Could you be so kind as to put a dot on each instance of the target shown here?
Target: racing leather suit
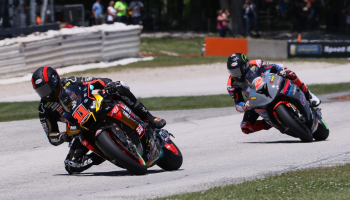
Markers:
(51, 112)
(236, 90)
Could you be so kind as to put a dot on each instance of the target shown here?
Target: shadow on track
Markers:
(280, 142)
(112, 173)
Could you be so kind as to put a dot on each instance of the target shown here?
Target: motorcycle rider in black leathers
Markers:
(48, 84)
(242, 74)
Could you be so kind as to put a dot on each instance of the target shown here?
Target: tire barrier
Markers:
(79, 45)
(12, 60)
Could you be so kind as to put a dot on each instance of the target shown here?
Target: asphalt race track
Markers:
(215, 153)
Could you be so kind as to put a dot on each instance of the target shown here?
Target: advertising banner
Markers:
(321, 49)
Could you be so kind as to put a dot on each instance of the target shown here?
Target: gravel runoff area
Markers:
(187, 80)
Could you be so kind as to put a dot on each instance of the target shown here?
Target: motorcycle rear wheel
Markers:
(114, 152)
(322, 131)
(292, 123)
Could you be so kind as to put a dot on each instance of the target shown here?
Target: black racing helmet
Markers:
(47, 83)
(237, 65)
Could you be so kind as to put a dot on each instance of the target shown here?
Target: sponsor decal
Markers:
(85, 89)
(38, 81)
(244, 58)
(71, 79)
(258, 82)
(44, 126)
(343, 49)
(85, 95)
(86, 100)
(234, 64)
(272, 78)
(139, 129)
(252, 98)
(302, 100)
(114, 111)
(47, 104)
(294, 89)
(88, 79)
(116, 128)
(296, 49)
(66, 85)
(59, 109)
(41, 108)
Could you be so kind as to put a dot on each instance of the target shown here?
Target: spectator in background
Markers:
(221, 24)
(112, 13)
(346, 12)
(250, 16)
(136, 8)
(227, 16)
(282, 8)
(97, 12)
(121, 7)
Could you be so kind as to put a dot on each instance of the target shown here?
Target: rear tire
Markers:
(322, 131)
(170, 161)
(114, 152)
(289, 121)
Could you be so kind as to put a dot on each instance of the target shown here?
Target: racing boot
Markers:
(141, 111)
(313, 99)
(157, 140)
(77, 165)
(309, 96)
(259, 125)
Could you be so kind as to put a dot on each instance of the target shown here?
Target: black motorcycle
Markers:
(111, 130)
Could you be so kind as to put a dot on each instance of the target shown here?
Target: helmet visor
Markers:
(236, 72)
(46, 89)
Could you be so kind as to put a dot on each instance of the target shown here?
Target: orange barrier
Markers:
(215, 46)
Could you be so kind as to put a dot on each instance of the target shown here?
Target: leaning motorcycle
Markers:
(284, 106)
(111, 130)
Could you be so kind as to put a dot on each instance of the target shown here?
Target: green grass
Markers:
(28, 110)
(317, 184)
(158, 61)
(180, 46)
(18, 111)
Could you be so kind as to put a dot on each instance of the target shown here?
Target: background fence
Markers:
(22, 55)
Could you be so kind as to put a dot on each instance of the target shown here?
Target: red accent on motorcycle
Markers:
(87, 145)
(172, 148)
(115, 113)
(46, 78)
(286, 85)
(284, 102)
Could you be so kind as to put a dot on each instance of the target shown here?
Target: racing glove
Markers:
(284, 72)
(111, 88)
(242, 107)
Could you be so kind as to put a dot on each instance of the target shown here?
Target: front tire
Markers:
(171, 160)
(322, 131)
(289, 121)
(112, 150)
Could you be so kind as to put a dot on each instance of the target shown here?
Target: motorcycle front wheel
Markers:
(291, 122)
(172, 157)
